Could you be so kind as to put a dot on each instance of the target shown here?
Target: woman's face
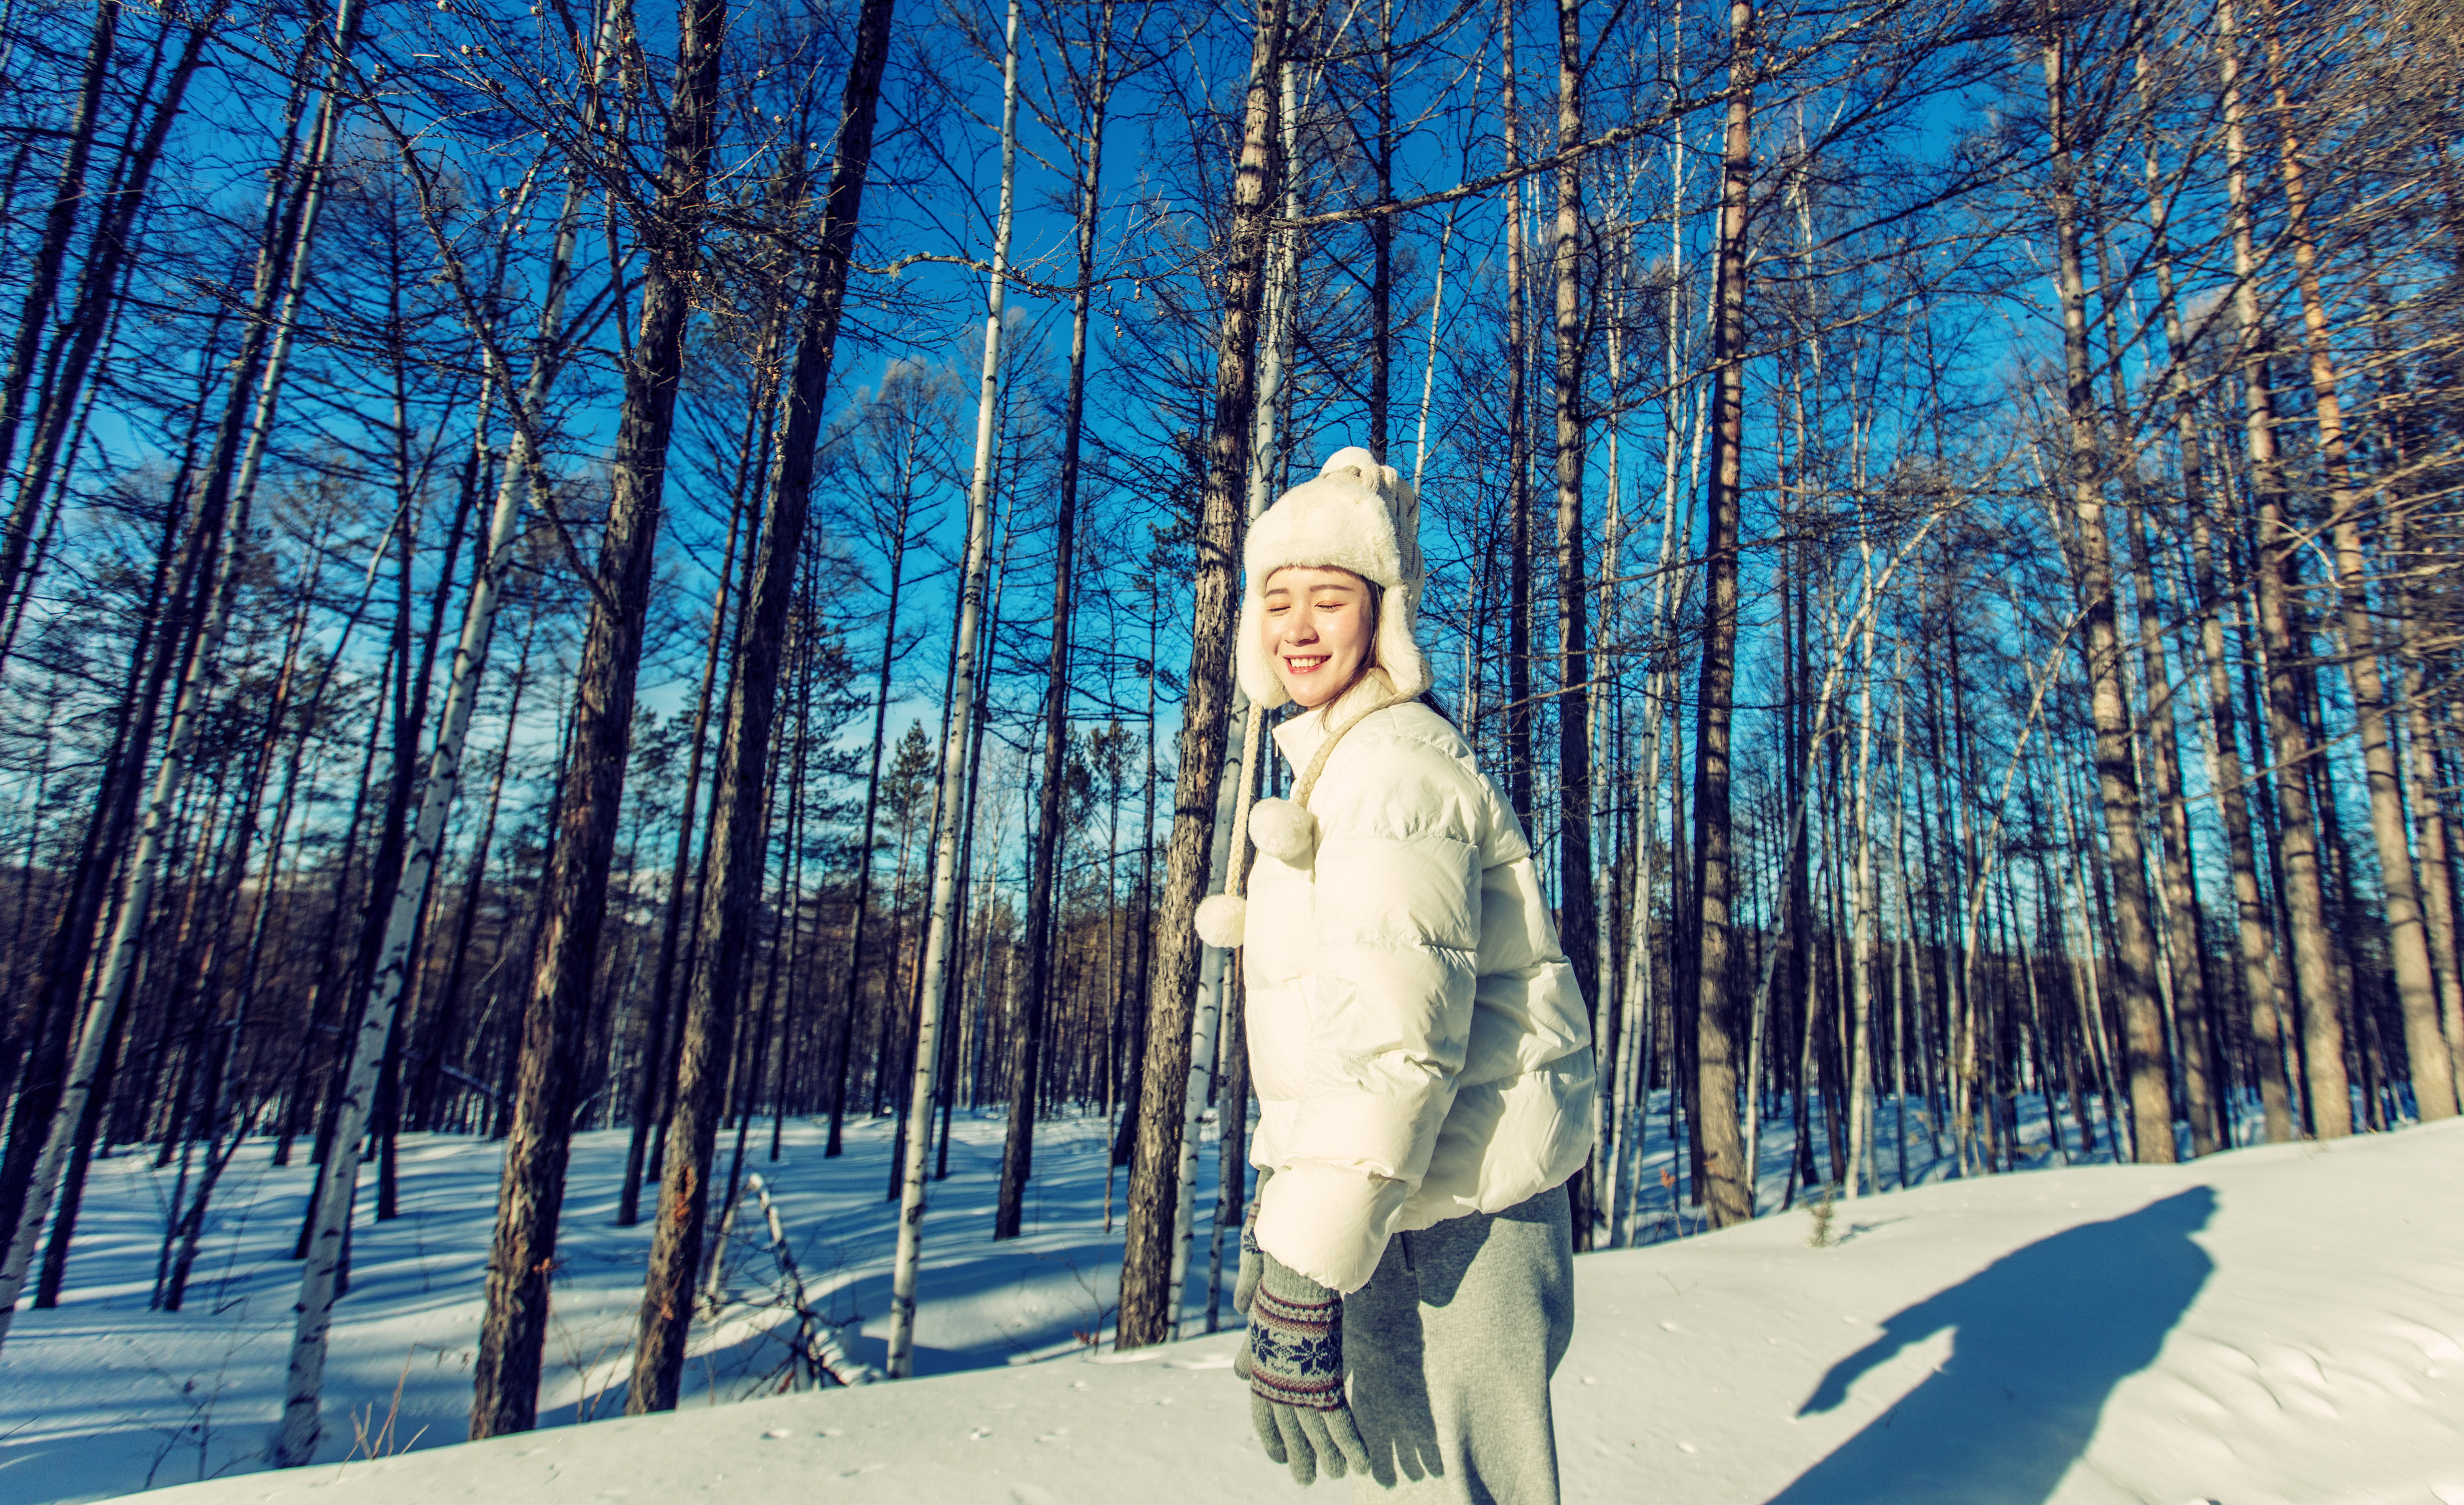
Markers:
(1319, 627)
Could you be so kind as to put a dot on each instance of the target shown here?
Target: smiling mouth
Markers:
(1302, 666)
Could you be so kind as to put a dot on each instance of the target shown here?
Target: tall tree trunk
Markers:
(1134, 1042)
(2177, 873)
(851, 990)
(2278, 553)
(573, 898)
(740, 831)
(1577, 918)
(657, 1069)
(1519, 771)
(2425, 1046)
(1026, 1042)
(1381, 244)
(378, 1037)
(1727, 1179)
(2150, 1084)
(1147, 1248)
(2430, 816)
(442, 1036)
(2255, 947)
(932, 971)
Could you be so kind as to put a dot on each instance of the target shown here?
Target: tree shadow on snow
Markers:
(2043, 1335)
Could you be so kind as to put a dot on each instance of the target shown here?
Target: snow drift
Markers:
(2280, 1324)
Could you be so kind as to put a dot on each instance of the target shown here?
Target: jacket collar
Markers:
(1301, 737)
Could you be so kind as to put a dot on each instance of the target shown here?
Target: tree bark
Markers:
(739, 833)
(2150, 1080)
(933, 967)
(1026, 1043)
(657, 1066)
(1727, 1180)
(42, 286)
(221, 531)
(1519, 771)
(573, 900)
(2277, 618)
(1147, 1248)
(2425, 1046)
(1577, 918)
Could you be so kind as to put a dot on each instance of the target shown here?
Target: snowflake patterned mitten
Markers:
(1294, 1367)
(1252, 1258)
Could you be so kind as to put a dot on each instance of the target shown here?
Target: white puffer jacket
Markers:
(1417, 1036)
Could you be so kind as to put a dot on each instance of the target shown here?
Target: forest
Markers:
(573, 568)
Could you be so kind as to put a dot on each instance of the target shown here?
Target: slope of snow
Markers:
(2269, 1325)
(104, 1396)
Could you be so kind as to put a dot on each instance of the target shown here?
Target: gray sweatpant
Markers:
(1450, 1346)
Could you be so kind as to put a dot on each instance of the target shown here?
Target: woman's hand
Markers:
(1294, 1367)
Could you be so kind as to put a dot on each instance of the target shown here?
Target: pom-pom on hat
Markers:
(1356, 515)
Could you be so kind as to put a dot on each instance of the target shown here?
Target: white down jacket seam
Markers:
(1417, 1040)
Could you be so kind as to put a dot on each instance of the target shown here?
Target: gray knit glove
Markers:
(1246, 1285)
(1294, 1367)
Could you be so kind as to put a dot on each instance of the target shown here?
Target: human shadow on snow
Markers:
(2043, 1335)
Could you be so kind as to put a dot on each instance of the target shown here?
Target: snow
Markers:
(103, 1397)
(2274, 1324)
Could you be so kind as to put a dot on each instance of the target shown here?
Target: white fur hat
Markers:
(1356, 515)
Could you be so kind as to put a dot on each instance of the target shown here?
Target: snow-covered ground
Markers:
(2277, 1324)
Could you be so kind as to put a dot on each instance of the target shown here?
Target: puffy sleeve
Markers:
(1397, 895)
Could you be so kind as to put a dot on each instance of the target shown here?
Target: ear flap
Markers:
(1398, 646)
(1404, 502)
(1257, 677)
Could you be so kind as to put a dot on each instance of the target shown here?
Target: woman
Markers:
(1419, 1047)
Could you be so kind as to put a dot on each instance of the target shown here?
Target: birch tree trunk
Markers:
(1519, 772)
(302, 1424)
(1214, 983)
(942, 920)
(1868, 903)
